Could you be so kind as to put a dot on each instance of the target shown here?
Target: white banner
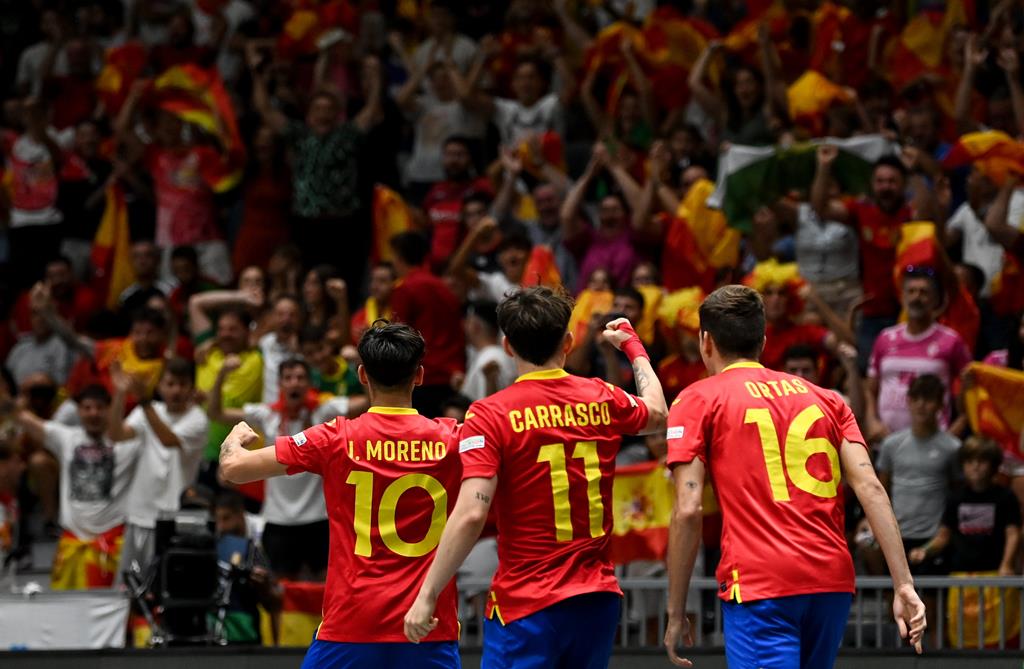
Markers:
(63, 620)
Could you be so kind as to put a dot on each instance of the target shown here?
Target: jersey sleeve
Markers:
(688, 421)
(309, 450)
(480, 444)
(848, 427)
(629, 413)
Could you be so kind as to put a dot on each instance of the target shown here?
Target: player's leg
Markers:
(587, 625)
(764, 634)
(427, 655)
(527, 643)
(336, 655)
(823, 628)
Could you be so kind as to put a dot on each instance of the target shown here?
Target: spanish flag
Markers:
(391, 216)
(197, 96)
(588, 304)
(811, 96)
(121, 67)
(919, 49)
(995, 154)
(828, 22)
(995, 404)
(541, 269)
(111, 249)
(698, 242)
(1008, 287)
(919, 247)
(300, 616)
(642, 499)
(81, 564)
(309, 20)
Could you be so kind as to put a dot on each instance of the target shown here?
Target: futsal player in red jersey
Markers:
(777, 448)
(390, 480)
(544, 449)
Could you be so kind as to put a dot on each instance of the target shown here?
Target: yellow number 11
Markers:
(798, 451)
(554, 455)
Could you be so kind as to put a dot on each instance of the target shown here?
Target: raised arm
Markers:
(274, 118)
(372, 111)
(570, 212)
(459, 536)
(511, 168)
(705, 97)
(621, 335)
(458, 266)
(42, 303)
(684, 538)
(775, 97)
(117, 428)
(974, 57)
(405, 97)
(215, 408)
(824, 206)
(907, 606)
(201, 306)
(466, 87)
(997, 218)
(1009, 61)
(240, 465)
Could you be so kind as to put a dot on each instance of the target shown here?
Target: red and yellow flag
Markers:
(1008, 287)
(919, 247)
(920, 47)
(541, 269)
(391, 216)
(995, 404)
(810, 97)
(81, 564)
(111, 249)
(698, 242)
(589, 303)
(995, 154)
(309, 20)
(301, 614)
(121, 67)
(642, 499)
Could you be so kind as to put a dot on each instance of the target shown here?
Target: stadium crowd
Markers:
(205, 203)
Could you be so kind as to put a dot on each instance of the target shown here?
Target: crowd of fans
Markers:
(490, 121)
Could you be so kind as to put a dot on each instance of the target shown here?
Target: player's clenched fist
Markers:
(420, 620)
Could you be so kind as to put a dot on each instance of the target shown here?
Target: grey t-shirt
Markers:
(920, 471)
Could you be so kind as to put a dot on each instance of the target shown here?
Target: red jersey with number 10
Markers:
(391, 478)
(771, 442)
(551, 439)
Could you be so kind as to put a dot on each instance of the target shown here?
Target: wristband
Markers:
(633, 347)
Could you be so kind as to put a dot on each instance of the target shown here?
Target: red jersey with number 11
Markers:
(771, 442)
(391, 478)
(551, 439)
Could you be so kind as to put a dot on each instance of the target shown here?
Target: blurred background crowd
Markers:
(205, 202)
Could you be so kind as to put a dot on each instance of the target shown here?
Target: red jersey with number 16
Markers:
(391, 478)
(551, 439)
(771, 442)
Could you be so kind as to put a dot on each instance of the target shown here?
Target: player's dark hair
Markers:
(93, 391)
(412, 247)
(391, 354)
(980, 448)
(631, 293)
(154, 317)
(181, 369)
(927, 387)
(231, 500)
(289, 363)
(734, 318)
(534, 321)
(800, 352)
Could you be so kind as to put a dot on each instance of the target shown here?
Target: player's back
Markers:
(771, 442)
(551, 439)
(390, 482)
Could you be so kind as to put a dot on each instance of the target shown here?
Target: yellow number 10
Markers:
(554, 455)
(363, 513)
(798, 451)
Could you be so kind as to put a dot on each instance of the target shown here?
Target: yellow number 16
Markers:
(798, 451)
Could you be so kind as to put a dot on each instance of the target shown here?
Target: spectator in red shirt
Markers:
(443, 203)
(878, 218)
(73, 301)
(73, 94)
(427, 303)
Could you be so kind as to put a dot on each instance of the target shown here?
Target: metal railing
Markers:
(870, 625)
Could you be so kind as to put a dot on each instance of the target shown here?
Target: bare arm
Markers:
(592, 107)
(704, 96)
(458, 266)
(776, 99)
(201, 305)
(512, 166)
(215, 407)
(974, 57)
(1010, 62)
(684, 539)
(240, 465)
(824, 206)
(118, 429)
(570, 212)
(274, 118)
(457, 540)
(638, 79)
(935, 545)
(466, 88)
(627, 184)
(43, 304)
(370, 114)
(1006, 565)
(907, 607)
(997, 217)
(31, 424)
(648, 386)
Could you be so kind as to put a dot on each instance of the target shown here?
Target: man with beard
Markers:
(877, 218)
(295, 538)
(443, 203)
(907, 350)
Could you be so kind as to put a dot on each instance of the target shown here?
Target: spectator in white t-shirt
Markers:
(280, 343)
(95, 473)
(295, 538)
(490, 368)
(173, 435)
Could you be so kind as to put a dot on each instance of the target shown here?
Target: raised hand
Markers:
(827, 154)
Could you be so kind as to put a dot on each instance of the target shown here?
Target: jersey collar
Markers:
(744, 365)
(543, 375)
(394, 411)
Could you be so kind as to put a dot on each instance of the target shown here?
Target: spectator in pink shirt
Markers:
(907, 350)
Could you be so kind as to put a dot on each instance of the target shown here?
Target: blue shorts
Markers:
(575, 633)
(786, 632)
(339, 655)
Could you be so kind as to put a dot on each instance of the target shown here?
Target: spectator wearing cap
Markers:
(489, 368)
(905, 351)
(426, 303)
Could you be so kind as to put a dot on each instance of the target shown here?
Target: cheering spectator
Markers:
(72, 300)
(489, 368)
(40, 351)
(378, 304)
(905, 351)
(84, 178)
(443, 203)
(146, 270)
(281, 343)
(266, 203)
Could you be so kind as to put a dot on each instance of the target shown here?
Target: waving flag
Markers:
(995, 404)
(121, 67)
(995, 154)
(391, 216)
(811, 96)
(309, 21)
(698, 242)
(919, 49)
(111, 249)
(541, 269)
(589, 303)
